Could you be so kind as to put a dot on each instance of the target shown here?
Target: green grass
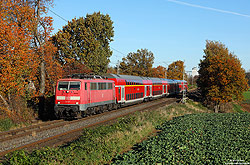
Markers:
(246, 97)
(237, 108)
(100, 145)
(6, 124)
(197, 105)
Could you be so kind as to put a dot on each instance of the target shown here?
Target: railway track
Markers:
(57, 132)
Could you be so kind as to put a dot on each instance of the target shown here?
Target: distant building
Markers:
(195, 71)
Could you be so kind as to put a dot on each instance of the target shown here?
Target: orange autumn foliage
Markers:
(53, 68)
(20, 56)
(175, 70)
(17, 61)
(159, 71)
(49, 69)
(221, 77)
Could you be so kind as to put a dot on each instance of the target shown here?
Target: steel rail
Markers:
(121, 113)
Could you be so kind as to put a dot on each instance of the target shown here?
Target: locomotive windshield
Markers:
(69, 85)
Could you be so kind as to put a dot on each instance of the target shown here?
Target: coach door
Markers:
(147, 90)
(150, 89)
(122, 94)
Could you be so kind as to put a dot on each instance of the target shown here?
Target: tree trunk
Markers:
(39, 44)
(5, 102)
(41, 112)
(216, 108)
(42, 83)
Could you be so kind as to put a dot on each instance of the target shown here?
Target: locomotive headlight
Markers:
(58, 102)
(60, 97)
(77, 103)
(75, 98)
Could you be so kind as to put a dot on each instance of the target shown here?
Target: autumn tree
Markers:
(17, 61)
(221, 77)
(73, 66)
(49, 69)
(112, 70)
(86, 41)
(137, 63)
(159, 71)
(248, 77)
(27, 61)
(175, 70)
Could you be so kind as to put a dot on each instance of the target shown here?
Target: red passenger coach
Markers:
(181, 85)
(82, 96)
(130, 89)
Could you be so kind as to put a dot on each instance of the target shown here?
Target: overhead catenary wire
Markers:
(57, 14)
(118, 51)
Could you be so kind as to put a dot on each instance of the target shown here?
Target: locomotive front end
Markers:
(68, 98)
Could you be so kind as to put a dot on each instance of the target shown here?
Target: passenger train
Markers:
(82, 95)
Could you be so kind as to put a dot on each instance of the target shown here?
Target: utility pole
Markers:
(183, 86)
(166, 69)
(118, 65)
(190, 75)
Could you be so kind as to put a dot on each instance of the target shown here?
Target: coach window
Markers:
(86, 86)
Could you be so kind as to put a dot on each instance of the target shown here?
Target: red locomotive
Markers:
(83, 95)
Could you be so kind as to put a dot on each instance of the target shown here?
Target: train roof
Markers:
(129, 77)
(85, 80)
(180, 80)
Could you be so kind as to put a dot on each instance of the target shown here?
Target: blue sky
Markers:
(171, 29)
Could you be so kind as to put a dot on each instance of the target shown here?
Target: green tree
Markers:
(138, 64)
(86, 41)
(221, 77)
(175, 70)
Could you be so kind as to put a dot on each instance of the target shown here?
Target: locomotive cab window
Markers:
(74, 86)
(63, 85)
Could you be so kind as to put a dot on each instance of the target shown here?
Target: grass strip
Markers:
(6, 124)
(101, 144)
